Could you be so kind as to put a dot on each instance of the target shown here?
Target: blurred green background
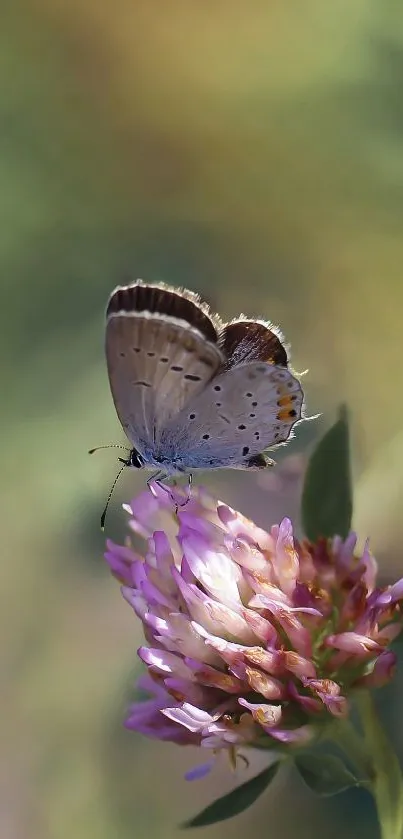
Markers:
(252, 151)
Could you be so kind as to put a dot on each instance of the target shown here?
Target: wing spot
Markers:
(192, 416)
(245, 451)
(249, 394)
(241, 427)
(151, 353)
(206, 436)
(217, 387)
(285, 414)
(190, 377)
(122, 354)
(176, 368)
(254, 404)
(252, 416)
(136, 349)
(218, 404)
(164, 359)
(257, 435)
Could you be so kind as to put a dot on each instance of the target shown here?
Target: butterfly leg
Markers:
(182, 503)
(188, 488)
(161, 477)
(157, 478)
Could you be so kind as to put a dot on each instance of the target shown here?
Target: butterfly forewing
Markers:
(239, 414)
(163, 301)
(156, 363)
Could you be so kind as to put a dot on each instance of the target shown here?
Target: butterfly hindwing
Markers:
(238, 415)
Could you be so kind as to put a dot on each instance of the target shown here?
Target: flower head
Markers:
(252, 637)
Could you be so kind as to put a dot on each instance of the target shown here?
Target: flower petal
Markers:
(249, 634)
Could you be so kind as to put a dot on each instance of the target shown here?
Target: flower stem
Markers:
(385, 777)
(350, 741)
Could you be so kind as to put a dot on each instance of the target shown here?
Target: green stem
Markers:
(355, 748)
(385, 776)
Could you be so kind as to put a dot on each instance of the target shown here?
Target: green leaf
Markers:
(327, 505)
(324, 774)
(236, 801)
(386, 777)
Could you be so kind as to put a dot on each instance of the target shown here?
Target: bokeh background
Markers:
(252, 151)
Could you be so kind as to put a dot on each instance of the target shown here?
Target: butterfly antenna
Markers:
(109, 446)
(103, 517)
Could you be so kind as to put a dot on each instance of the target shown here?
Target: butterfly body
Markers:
(192, 392)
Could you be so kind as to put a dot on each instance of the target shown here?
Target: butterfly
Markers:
(191, 391)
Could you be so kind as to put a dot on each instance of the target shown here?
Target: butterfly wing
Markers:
(161, 352)
(245, 340)
(238, 415)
